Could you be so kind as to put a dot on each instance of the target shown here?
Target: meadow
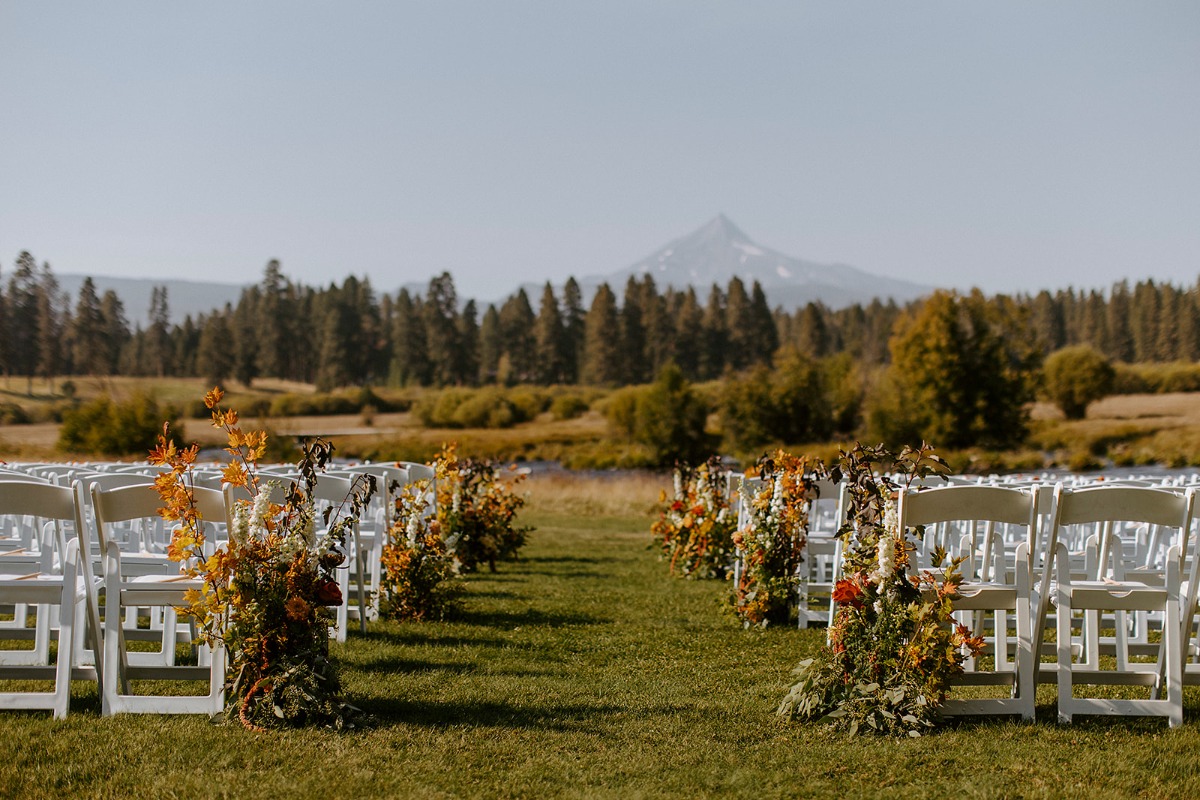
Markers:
(584, 670)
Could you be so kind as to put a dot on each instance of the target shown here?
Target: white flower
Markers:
(413, 529)
(678, 485)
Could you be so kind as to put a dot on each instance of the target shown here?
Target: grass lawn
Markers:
(585, 671)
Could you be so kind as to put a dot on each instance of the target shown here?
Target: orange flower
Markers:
(298, 610)
(848, 592)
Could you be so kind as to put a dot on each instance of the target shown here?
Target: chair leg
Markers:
(1064, 657)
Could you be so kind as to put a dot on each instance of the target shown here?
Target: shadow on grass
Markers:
(392, 711)
(526, 617)
(415, 638)
(411, 666)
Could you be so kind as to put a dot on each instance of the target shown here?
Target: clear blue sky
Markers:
(1008, 145)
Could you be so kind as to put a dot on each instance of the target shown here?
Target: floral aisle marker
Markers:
(772, 539)
(894, 646)
(695, 525)
(267, 590)
(418, 567)
(477, 507)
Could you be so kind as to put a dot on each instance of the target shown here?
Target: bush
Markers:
(13, 414)
(108, 428)
(671, 420)
(785, 405)
(568, 406)
(621, 411)
(489, 407)
(1076, 376)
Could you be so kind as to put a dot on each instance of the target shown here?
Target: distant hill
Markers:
(183, 297)
(714, 253)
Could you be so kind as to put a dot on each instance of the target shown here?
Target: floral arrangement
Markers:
(477, 508)
(267, 590)
(695, 524)
(418, 566)
(894, 646)
(771, 541)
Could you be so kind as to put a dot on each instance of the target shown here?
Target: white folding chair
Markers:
(994, 594)
(47, 587)
(820, 571)
(1114, 591)
(162, 591)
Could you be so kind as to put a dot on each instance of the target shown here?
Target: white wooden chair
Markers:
(163, 591)
(48, 587)
(332, 490)
(823, 551)
(995, 593)
(1113, 591)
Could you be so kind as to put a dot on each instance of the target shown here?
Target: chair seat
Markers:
(1108, 596)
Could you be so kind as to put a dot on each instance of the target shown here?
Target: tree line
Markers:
(348, 334)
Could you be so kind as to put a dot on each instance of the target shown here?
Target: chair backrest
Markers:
(968, 506)
(126, 503)
(41, 501)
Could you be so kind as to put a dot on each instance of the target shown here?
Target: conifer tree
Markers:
(22, 334)
(549, 340)
(441, 329)
(520, 344)
(467, 364)
(573, 316)
(116, 333)
(89, 349)
(52, 326)
(604, 359)
(491, 345)
(410, 355)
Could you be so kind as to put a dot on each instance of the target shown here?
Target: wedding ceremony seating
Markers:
(993, 588)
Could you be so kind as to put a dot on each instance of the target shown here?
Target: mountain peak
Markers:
(721, 229)
(719, 250)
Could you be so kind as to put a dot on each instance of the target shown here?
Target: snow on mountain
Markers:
(719, 250)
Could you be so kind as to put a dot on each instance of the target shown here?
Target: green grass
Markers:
(584, 671)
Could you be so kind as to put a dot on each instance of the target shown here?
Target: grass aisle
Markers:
(583, 670)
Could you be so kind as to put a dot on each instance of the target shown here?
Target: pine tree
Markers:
(633, 334)
(812, 335)
(604, 359)
(659, 326)
(52, 326)
(441, 329)
(714, 336)
(574, 325)
(273, 322)
(214, 355)
(89, 350)
(243, 331)
(1119, 336)
(520, 345)
(550, 343)
(689, 324)
(491, 345)
(467, 366)
(410, 355)
(158, 345)
(116, 333)
(23, 318)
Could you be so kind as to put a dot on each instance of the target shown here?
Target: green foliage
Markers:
(787, 404)
(13, 414)
(671, 418)
(621, 410)
(568, 406)
(1175, 376)
(962, 372)
(1076, 376)
(110, 428)
(487, 407)
(326, 404)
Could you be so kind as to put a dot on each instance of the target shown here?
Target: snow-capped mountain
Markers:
(718, 251)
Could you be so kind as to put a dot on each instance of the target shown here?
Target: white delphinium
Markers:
(239, 532)
(413, 529)
(679, 485)
(886, 550)
(261, 512)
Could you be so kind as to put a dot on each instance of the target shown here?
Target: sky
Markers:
(1012, 146)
